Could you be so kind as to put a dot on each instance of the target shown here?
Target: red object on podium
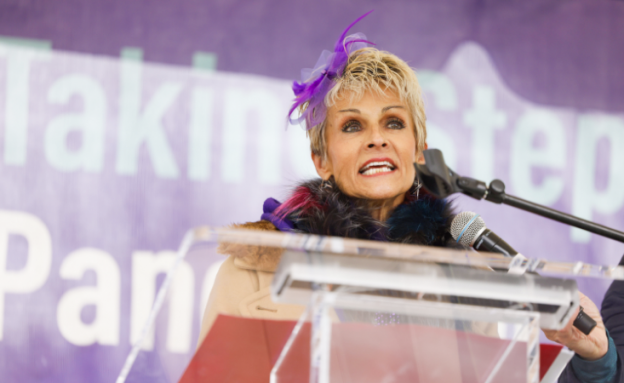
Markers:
(245, 350)
(240, 350)
(548, 354)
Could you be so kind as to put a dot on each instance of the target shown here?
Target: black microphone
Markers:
(468, 229)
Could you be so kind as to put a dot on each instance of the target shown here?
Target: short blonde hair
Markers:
(372, 70)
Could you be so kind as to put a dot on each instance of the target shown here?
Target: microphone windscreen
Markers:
(466, 227)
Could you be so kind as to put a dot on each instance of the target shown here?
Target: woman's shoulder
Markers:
(251, 257)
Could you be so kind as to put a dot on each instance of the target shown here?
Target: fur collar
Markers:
(259, 258)
(314, 209)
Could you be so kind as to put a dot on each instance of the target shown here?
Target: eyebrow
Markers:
(387, 108)
(384, 110)
(349, 110)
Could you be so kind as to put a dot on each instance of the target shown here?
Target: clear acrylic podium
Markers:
(385, 312)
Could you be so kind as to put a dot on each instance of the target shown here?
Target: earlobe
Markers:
(322, 166)
(420, 157)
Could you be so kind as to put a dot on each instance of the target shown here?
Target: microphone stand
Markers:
(441, 181)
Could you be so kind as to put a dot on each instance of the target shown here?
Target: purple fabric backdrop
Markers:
(106, 162)
(554, 52)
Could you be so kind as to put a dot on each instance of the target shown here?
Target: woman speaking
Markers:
(366, 123)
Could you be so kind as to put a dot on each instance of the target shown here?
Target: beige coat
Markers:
(242, 286)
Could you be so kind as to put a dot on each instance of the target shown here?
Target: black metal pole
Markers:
(563, 217)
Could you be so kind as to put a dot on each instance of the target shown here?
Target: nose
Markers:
(377, 139)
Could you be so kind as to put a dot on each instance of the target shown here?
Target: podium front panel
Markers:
(378, 345)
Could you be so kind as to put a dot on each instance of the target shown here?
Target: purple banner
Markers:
(107, 161)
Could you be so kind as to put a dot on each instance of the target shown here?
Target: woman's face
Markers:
(371, 147)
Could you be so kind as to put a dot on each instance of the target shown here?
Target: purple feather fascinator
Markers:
(317, 82)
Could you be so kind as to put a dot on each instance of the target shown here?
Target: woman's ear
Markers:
(322, 166)
(420, 157)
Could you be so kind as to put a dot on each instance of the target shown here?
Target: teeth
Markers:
(384, 169)
(386, 166)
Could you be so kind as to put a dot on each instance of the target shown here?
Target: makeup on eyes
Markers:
(397, 121)
(350, 125)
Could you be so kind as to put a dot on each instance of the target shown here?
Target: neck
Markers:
(382, 209)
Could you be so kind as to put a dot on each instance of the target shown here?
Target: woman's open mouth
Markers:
(375, 167)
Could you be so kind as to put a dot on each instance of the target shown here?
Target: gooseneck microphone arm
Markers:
(441, 181)
(468, 228)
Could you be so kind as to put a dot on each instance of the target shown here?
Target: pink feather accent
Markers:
(301, 200)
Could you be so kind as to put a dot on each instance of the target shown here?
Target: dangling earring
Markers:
(417, 186)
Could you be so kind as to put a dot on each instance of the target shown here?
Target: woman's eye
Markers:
(396, 124)
(351, 126)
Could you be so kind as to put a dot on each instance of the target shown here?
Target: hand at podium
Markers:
(589, 347)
